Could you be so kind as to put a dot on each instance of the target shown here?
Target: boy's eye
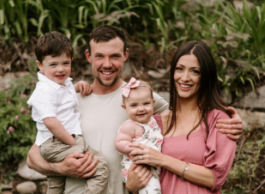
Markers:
(53, 64)
(146, 103)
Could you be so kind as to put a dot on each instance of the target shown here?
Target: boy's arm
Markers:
(58, 130)
(83, 87)
(76, 165)
(124, 137)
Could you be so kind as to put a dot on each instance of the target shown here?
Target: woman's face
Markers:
(187, 76)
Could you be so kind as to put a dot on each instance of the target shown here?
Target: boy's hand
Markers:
(83, 87)
(232, 127)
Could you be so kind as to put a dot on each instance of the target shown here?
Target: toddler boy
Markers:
(54, 108)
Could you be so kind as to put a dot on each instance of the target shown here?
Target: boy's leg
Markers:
(54, 150)
(97, 183)
(56, 184)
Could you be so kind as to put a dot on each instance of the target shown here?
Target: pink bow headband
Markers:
(133, 83)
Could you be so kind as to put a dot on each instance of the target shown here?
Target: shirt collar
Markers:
(56, 86)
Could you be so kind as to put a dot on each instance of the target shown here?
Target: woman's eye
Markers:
(178, 68)
(197, 72)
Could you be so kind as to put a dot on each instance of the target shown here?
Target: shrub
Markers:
(17, 129)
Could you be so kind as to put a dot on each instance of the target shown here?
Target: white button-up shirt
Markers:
(50, 99)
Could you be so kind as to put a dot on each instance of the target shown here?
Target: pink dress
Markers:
(215, 152)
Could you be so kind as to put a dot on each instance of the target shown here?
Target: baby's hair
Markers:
(54, 44)
(142, 84)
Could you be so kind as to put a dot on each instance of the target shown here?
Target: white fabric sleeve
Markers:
(44, 102)
(160, 104)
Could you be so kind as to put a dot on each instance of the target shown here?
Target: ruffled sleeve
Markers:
(220, 150)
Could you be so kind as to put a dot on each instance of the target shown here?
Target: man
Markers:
(101, 116)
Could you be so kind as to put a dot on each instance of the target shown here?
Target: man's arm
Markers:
(76, 165)
(232, 127)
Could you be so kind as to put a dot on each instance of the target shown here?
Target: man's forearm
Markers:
(37, 162)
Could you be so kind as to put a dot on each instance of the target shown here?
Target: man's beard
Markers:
(111, 84)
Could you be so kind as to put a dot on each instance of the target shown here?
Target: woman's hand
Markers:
(83, 87)
(232, 127)
(138, 177)
(146, 155)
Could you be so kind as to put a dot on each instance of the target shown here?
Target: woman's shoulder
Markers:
(217, 114)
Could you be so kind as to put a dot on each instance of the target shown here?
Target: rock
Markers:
(5, 79)
(43, 187)
(252, 119)
(252, 100)
(239, 5)
(26, 187)
(7, 192)
(27, 173)
(7, 186)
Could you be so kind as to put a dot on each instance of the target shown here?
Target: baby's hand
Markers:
(83, 87)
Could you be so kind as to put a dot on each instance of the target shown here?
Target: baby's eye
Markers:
(53, 64)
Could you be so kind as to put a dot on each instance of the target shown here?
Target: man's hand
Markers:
(83, 87)
(232, 127)
(77, 165)
(138, 177)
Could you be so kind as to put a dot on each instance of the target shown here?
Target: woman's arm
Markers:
(196, 174)
(76, 165)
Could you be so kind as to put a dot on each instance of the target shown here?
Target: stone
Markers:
(7, 192)
(7, 186)
(43, 186)
(252, 119)
(8, 77)
(27, 187)
(239, 5)
(25, 172)
(252, 100)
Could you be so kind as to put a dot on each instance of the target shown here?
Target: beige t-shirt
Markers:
(101, 117)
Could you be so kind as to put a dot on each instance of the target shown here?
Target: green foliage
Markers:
(247, 163)
(17, 129)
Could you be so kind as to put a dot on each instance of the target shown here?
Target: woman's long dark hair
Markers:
(208, 94)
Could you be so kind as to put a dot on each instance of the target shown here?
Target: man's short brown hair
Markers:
(54, 44)
(106, 33)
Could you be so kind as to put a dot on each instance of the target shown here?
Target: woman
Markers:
(195, 157)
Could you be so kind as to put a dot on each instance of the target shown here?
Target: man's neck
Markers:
(99, 89)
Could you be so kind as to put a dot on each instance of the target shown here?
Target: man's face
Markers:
(107, 60)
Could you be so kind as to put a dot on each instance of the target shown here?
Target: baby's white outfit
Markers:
(153, 138)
